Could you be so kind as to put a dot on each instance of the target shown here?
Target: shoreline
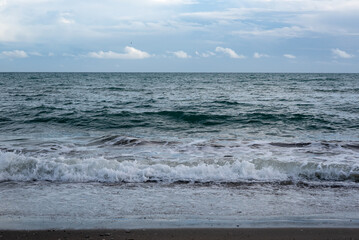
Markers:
(186, 233)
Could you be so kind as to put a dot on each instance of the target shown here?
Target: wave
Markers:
(193, 117)
(103, 119)
(5, 119)
(281, 144)
(19, 167)
(229, 103)
(118, 140)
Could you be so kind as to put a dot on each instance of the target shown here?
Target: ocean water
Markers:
(122, 150)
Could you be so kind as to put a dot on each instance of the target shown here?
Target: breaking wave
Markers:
(19, 167)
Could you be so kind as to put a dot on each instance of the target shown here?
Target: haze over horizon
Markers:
(179, 35)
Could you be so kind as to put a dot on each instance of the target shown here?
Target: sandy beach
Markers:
(193, 234)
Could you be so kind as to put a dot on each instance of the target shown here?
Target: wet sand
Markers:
(192, 233)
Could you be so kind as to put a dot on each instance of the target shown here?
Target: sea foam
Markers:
(19, 167)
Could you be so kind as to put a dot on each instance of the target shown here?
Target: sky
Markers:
(179, 35)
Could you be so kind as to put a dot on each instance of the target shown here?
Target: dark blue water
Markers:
(179, 127)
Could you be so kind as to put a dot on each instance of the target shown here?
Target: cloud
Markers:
(130, 53)
(172, 2)
(228, 14)
(181, 54)
(284, 18)
(261, 8)
(205, 54)
(35, 54)
(2, 3)
(46, 21)
(260, 55)
(229, 52)
(287, 32)
(340, 53)
(65, 18)
(93, 28)
(14, 54)
(290, 56)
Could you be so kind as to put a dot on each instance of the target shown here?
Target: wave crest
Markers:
(18, 167)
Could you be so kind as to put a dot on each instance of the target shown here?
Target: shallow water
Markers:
(93, 205)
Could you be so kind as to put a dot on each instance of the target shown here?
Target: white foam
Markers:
(19, 167)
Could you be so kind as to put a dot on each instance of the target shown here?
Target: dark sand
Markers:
(200, 234)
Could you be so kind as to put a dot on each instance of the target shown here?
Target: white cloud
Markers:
(287, 32)
(228, 14)
(2, 3)
(10, 32)
(340, 53)
(286, 18)
(172, 2)
(290, 56)
(35, 54)
(66, 21)
(247, 8)
(260, 55)
(205, 54)
(229, 52)
(130, 53)
(91, 26)
(65, 18)
(14, 54)
(44, 21)
(181, 54)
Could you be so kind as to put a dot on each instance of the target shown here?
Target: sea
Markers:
(155, 150)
